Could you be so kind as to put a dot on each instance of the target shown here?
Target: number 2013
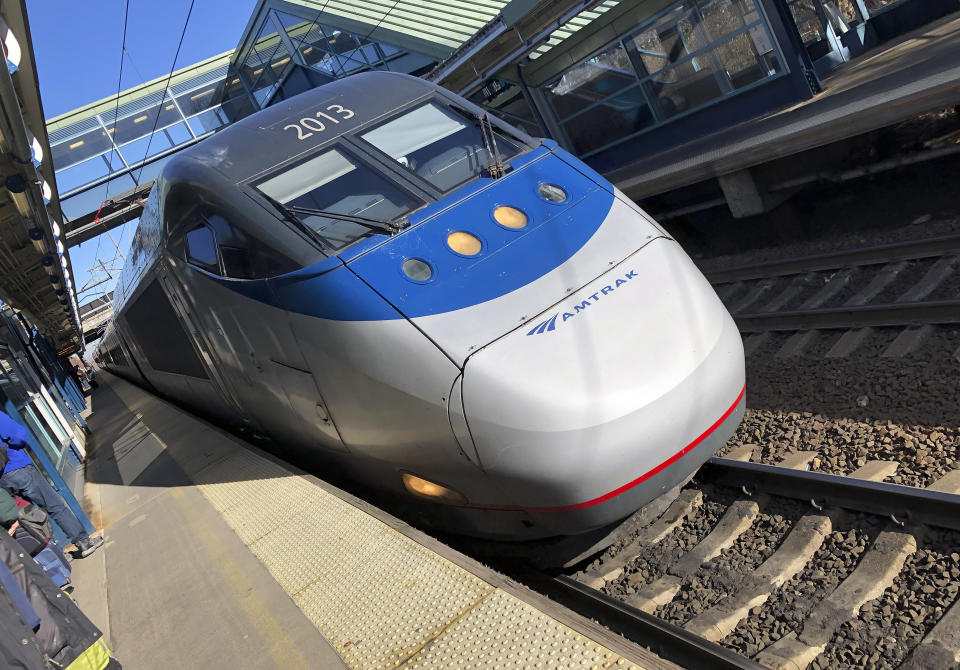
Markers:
(316, 125)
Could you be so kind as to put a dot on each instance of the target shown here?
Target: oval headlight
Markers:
(427, 489)
(551, 193)
(464, 243)
(416, 269)
(509, 217)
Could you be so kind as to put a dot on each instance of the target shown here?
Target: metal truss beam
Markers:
(502, 42)
(114, 213)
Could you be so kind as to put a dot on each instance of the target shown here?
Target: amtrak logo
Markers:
(551, 323)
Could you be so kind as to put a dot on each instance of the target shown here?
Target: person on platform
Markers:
(22, 478)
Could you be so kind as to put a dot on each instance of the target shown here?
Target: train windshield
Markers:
(442, 146)
(333, 182)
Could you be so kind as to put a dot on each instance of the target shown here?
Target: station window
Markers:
(333, 51)
(508, 102)
(689, 56)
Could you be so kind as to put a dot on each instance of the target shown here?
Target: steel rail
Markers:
(665, 639)
(903, 504)
(859, 316)
(883, 253)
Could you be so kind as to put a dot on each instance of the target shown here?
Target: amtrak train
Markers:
(380, 275)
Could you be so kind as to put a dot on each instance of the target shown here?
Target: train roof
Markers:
(267, 138)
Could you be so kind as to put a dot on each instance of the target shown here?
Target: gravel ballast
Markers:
(724, 574)
(864, 407)
(788, 607)
(888, 628)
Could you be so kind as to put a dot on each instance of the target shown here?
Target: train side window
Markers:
(236, 262)
(202, 248)
(244, 257)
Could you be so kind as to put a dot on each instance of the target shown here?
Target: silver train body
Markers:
(540, 370)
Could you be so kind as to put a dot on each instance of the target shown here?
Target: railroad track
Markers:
(913, 283)
(756, 566)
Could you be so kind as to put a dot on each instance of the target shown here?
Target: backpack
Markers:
(35, 520)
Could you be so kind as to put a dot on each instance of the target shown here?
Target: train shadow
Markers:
(141, 446)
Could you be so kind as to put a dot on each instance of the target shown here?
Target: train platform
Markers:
(219, 555)
(916, 73)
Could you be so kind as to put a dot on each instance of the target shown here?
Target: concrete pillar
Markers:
(747, 195)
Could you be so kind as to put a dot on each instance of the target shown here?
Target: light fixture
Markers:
(510, 217)
(11, 46)
(76, 145)
(427, 489)
(140, 118)
(18, 193)
(551, 193)
(464, 243)
(45, 190)
(36, 149)
(417, 270)
(201, 93)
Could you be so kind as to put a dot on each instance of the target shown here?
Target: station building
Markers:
(658, 95)
(621, 84)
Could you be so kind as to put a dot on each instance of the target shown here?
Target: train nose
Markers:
(611, 396)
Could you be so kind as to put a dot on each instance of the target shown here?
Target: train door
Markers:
(252, 343)
(219, 384)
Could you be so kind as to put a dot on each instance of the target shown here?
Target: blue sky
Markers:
(77, 49)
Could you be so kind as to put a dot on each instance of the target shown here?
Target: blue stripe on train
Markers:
(508, 260)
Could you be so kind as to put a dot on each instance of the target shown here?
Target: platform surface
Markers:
(912, 74)
(221, 556)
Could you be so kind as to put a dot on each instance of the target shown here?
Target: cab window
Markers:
(334, 182)
(439, 144)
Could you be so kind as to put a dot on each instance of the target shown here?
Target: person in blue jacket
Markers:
(21, 477)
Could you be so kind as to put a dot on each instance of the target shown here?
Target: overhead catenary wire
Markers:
(377, 25)
(316, 19)
(116, 107)
(310, 27)
(116, 111)
(163, 96)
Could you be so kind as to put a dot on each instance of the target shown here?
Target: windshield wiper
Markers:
(293, 218)
(388, 227)
(290, 212)
(495, 163)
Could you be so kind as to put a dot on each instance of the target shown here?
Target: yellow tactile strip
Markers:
(380, 598)
(503, 632)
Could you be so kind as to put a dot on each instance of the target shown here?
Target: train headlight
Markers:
(551, 193)
(464, 243)
(509, 217)
(417, 270)
(427, 489)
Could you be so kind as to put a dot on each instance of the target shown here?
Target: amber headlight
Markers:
(510, 217)
(464, 243)
(427, 489)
